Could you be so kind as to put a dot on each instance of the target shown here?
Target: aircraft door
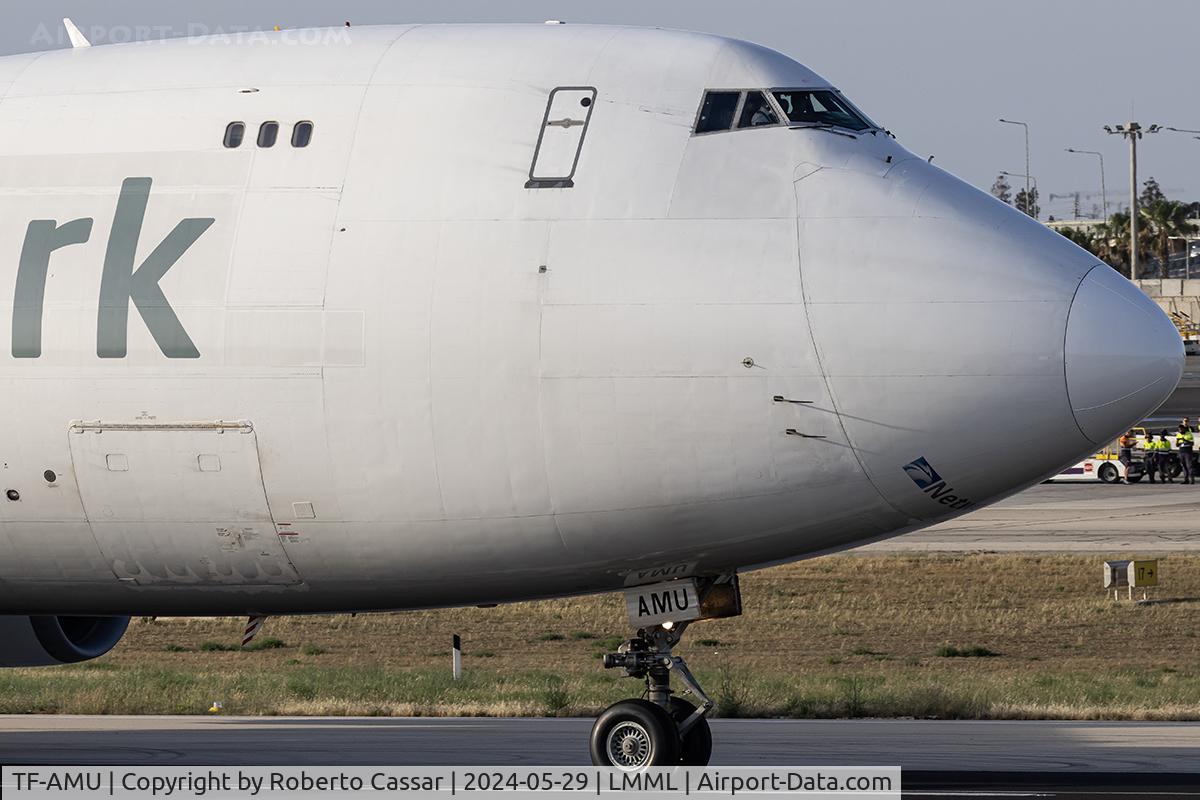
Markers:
(560, 140)
(179, 503)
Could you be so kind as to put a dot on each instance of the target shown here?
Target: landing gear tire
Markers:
(635, 734)
(695, 746)
(1108, 474)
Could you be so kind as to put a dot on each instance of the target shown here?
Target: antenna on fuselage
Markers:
(74, 34)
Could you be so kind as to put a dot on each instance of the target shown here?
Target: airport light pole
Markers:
(1027, 173)
(1133, 131)
(1103, 190)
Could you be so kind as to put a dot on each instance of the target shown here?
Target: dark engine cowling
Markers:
(48, 641)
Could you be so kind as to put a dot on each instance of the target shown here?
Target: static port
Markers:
(49, 476)
(13, 495)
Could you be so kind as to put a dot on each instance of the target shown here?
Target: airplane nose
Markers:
(1123, 355)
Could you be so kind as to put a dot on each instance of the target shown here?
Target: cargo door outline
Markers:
(179, 503)
(560, 140)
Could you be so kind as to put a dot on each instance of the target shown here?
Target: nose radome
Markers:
(1123, 355)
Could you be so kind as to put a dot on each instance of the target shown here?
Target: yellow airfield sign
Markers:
(1144, 573)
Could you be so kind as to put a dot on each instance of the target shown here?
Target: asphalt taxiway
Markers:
(1183, 402)
(946, 758)
(1113, 519)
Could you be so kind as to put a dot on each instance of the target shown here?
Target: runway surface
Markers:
(1043, 758)
(1185, 400)
(1142, 519)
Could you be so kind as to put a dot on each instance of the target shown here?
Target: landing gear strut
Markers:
(660, 729)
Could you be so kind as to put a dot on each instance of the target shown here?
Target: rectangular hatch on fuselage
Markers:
(560, 141)
(179, 503)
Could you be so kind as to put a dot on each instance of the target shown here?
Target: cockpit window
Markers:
(757, 111)
(820, 107)
(717, 112)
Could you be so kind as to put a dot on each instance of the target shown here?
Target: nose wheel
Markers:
(660, 730)
(635, 734)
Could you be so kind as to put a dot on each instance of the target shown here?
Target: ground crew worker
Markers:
(1185, 440)
(1150, 447)
(1125, 451)
(1164, 458)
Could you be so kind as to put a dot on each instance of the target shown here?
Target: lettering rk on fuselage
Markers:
(119, 284)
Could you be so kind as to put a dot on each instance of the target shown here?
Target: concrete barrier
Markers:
(1174, 295)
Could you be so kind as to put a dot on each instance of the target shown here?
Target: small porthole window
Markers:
(302, 134)
(234, 134)
(268, 134)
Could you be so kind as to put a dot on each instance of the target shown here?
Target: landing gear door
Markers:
(560, 140)
(179, 503)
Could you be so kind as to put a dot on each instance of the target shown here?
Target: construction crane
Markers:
(1075, 197)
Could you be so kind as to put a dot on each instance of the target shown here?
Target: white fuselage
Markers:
(410, 378)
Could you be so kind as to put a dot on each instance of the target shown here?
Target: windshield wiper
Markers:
(823, 126)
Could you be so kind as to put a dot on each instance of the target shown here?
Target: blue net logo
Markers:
(933, 486)
(922, 473)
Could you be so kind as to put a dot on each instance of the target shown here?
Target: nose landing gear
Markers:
(662, 730)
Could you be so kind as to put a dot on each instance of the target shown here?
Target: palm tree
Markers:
(1166, 219)
(1112, 243)
(1112, 240)
(1084, 238)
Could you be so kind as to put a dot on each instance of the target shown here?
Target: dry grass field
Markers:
(1035, 637)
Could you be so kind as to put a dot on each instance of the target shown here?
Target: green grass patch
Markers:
(308, 688)
(269, 643)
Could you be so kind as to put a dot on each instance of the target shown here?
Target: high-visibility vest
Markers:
(1185, 440)
(1163, 445)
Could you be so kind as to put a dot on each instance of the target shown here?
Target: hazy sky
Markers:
(938, 73)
